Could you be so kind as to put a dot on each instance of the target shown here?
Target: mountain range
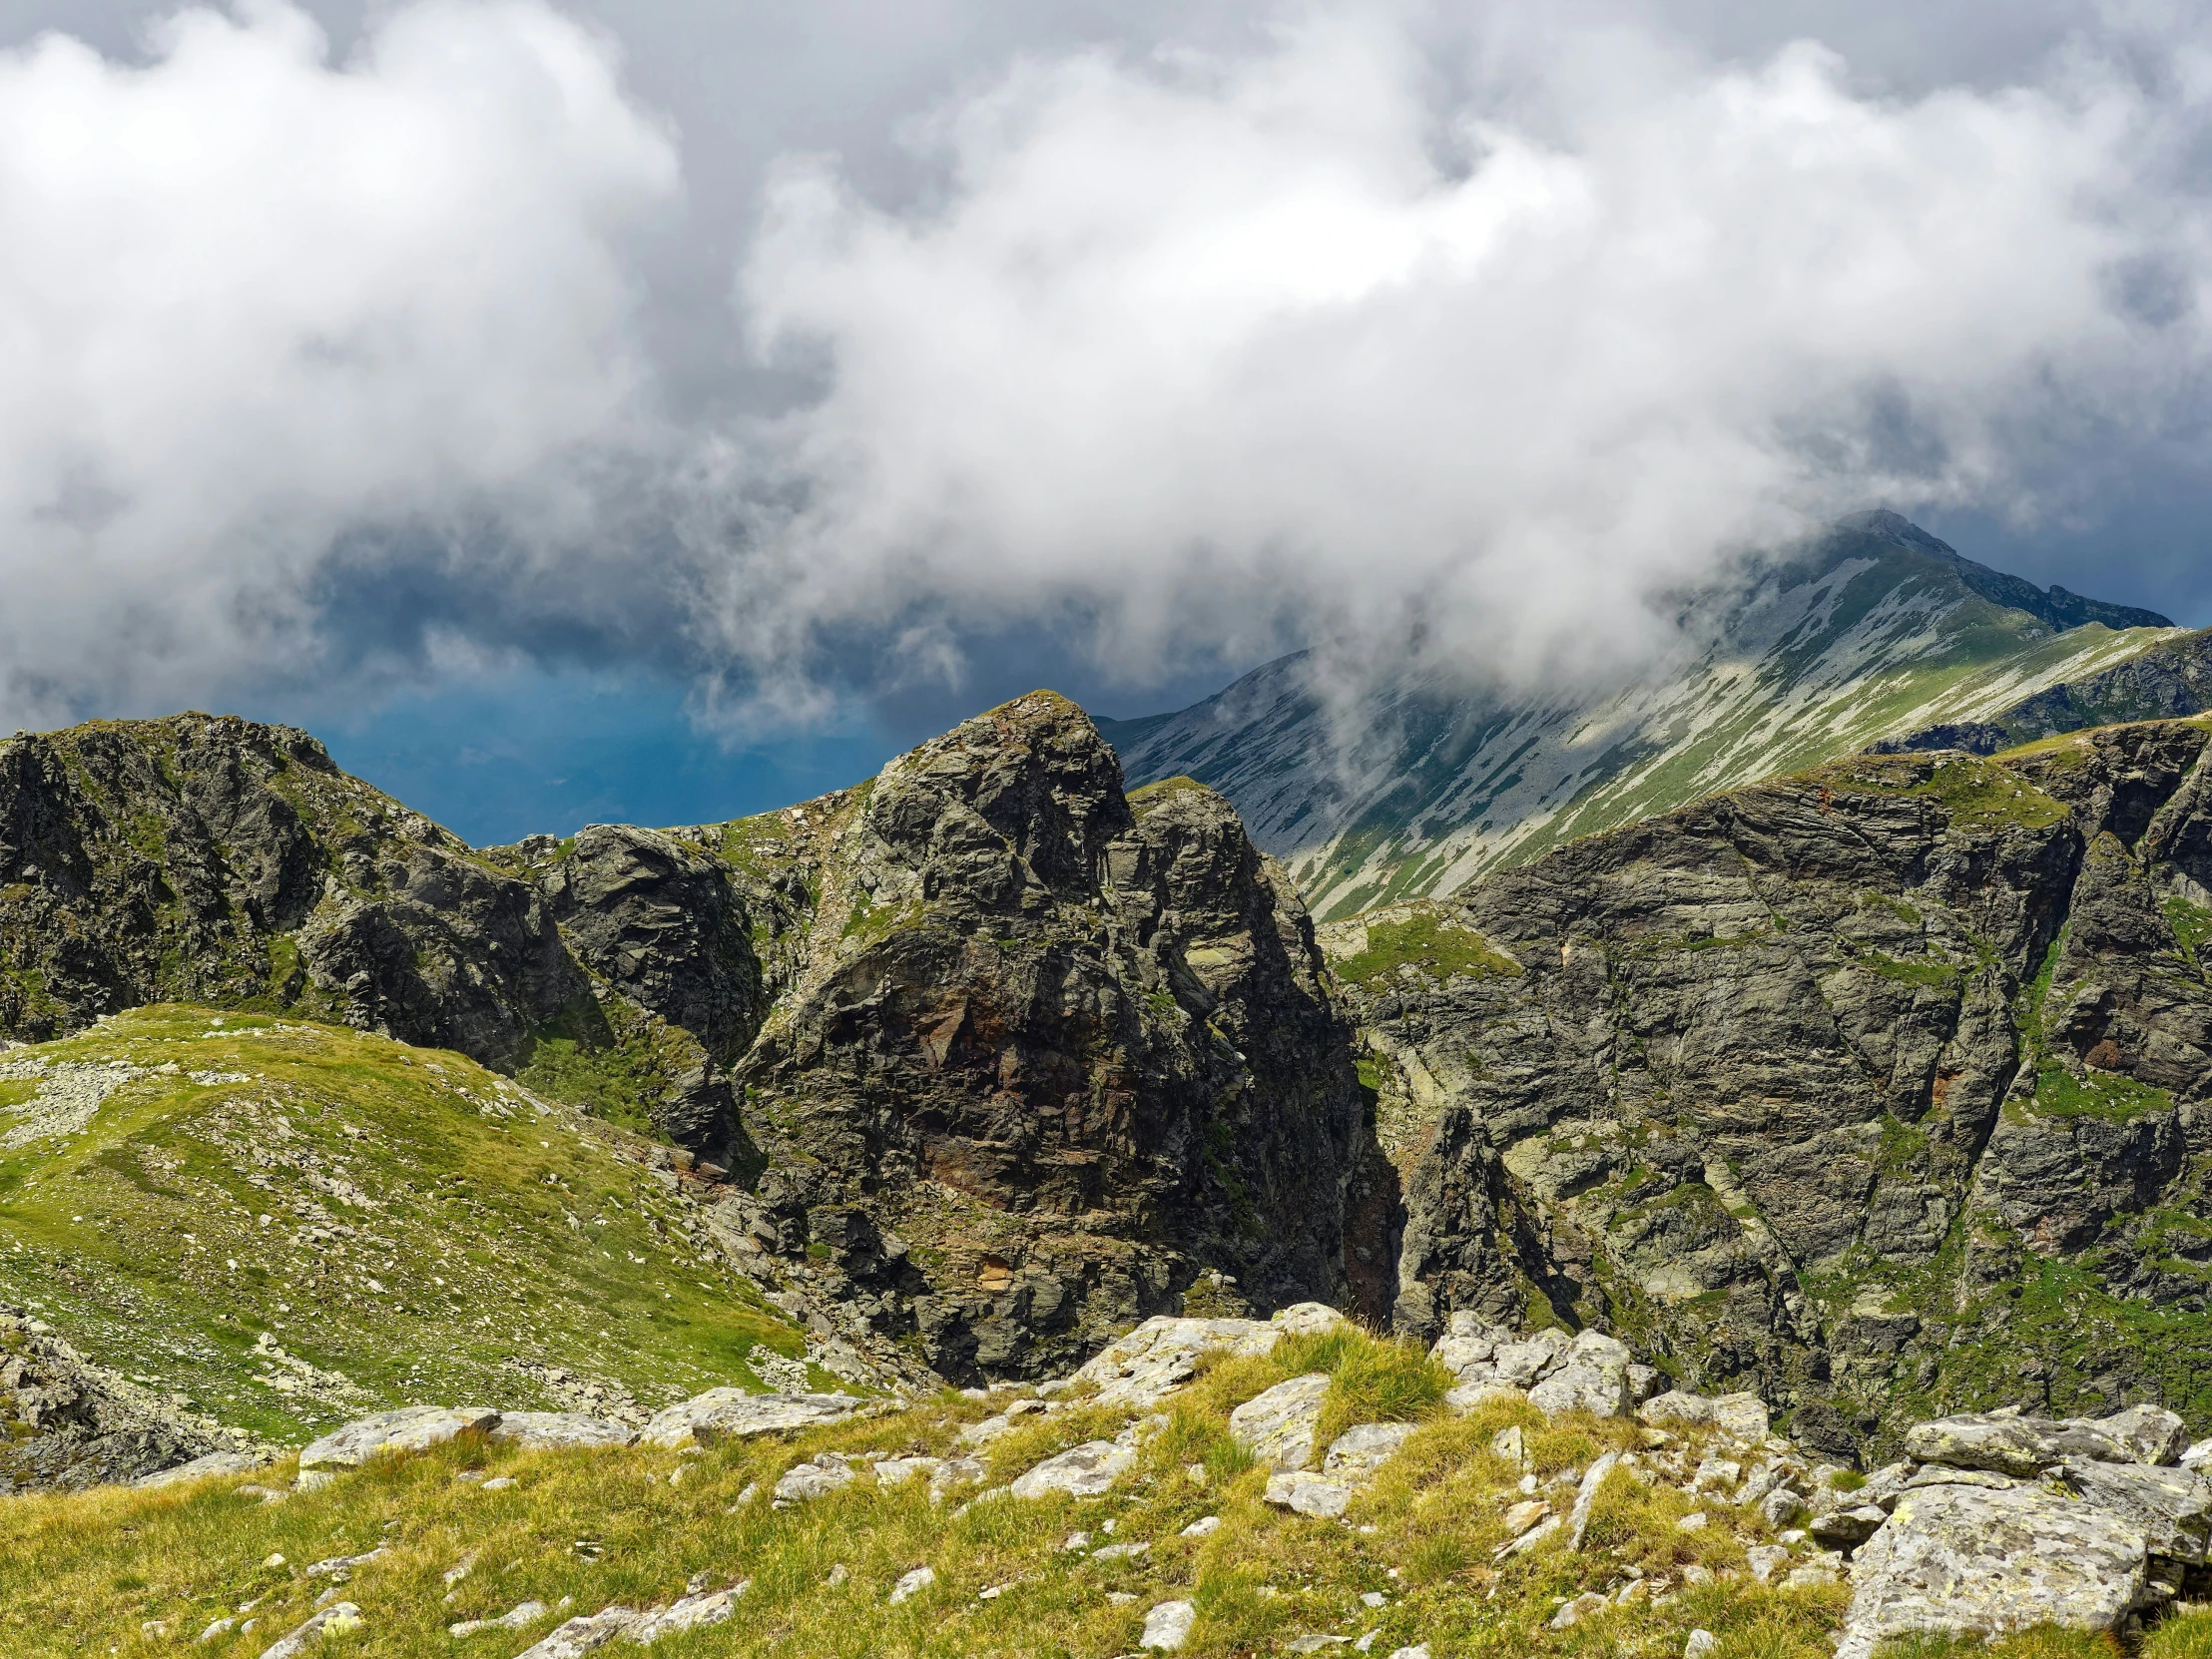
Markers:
(1877, 631)
(1873, 1085)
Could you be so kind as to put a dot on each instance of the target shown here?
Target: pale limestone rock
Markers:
(1975, 1561)
(2171, 1507)
(804, 1482)
(912, 1584)
(1586, 1495)
(1360, 1450)
(513, 1620)
(1743, 1415)
(555, 1430)
(1576, 1387)
(1160, 1356)
(1278, 1427)
(203, 1467)
(722, 1415)
(1573, 1612)
(1309, 1494)
(1168, 1626)
(409, 1429)
(1086, 1470)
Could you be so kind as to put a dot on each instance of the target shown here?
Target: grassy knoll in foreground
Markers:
(293, 1223)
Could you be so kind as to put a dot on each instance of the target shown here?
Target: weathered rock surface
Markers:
(1972, 1560)
(1161, 1354)
(1827, 1025)
(1074, 1043)
(1087, 1471)
(722, 1414)
(65, 1422)
(1277, 1425)
(547, 1431)
(409, 1429)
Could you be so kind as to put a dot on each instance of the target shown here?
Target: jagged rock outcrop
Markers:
(1879, 1089)
(1057, 1058)
(996, 1059)
(66, 1422)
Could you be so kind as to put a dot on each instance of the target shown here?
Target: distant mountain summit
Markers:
(1877, 631)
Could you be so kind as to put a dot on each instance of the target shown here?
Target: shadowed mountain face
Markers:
(1878, 630)
(1002, 1059)
(1880, 1088)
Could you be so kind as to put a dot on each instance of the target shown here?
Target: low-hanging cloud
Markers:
(1197, 344)
(317, 365)
(254, 303)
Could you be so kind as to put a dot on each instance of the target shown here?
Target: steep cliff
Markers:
(1878, 1088)
(1056, 1058)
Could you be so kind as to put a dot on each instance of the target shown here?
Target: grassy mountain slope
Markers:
(293, 1224)
(1421, 1542)
(1878, 630)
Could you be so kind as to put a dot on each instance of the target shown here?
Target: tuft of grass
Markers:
(2115, 1099)
(1432, 943)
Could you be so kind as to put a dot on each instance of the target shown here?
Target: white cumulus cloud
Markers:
(251, 298)
(1191, 347)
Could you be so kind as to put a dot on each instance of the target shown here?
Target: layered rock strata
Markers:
(1878, 1090)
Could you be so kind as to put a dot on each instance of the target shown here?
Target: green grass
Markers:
(80, 1574)
(1431, 943)
(1974, 794)
(399, 1219)
(2104, 1095)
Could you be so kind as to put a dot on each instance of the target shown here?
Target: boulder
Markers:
(557, 1431)
(1309, 1495)
(1150, 1363)
(1971, 1560)
(1086, 1470)
(1520, 1363)
(804, 1482)
(2150, 1433)
(1168, 1625)
(2171, 1507)
(1581, 1389)
(2016, 1445)
(722, 1415)
(1360, 1450)
(692, 1612)
(1278, 1427)
(587, 1633)
(409, 1429)
(204, 1467)
(1743, 1415)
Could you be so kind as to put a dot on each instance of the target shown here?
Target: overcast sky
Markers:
(657, 410)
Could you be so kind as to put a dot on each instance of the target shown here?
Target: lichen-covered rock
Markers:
(1361, 1449)
(1582, 1389)
(2012, 1445)
(409, 1429)
(1161, 1354)
(548, 1431)
(1087, 1471)
(1311, 1494)
(1279, 1425)
(2171, 1507)
(1743, 1415)
(1973, 1562)
(722, 1414)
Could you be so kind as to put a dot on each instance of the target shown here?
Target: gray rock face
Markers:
(722, 1414)
(1279, 1425)
(1087, 1471)
(553, 1431)
(1972, 1560)
(2014, 1446)
(65, 1422)
(1365, 1448)
(1822, 1025)
(1144, 1366)
(1094, 1026)
(409, 1429)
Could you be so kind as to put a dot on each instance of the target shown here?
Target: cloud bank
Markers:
(253, 304)
(312, 371)
(1204, 342)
